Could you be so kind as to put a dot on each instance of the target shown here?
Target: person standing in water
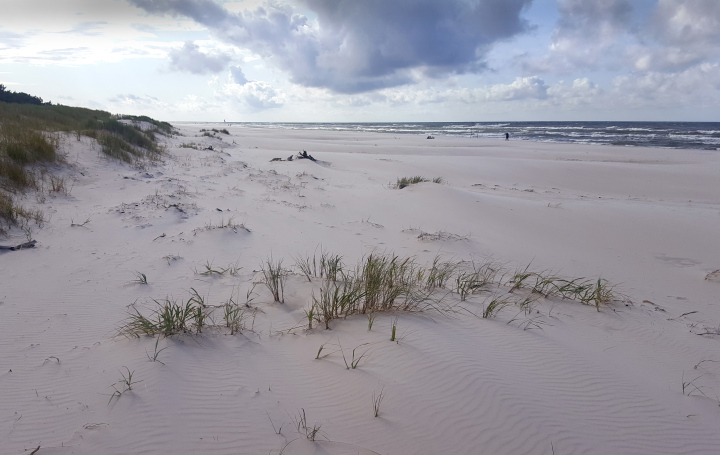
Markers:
(507, 136)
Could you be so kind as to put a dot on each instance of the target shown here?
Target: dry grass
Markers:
(29, 140)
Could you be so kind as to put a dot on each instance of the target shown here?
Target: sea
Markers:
(676, 135)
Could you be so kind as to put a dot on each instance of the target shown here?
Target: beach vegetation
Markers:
(379, 283)
(30, 135)
(223, 224)
(156, 353)
(403, 182)
(123, 385)
(320, 350)
(233, 316)
(274, 276)
(595, 292)
(493, 307)
(327, 265)
(140, 278)
(208, 269)
(211, 131)
(13, 214)
(393, 329)
(371, 320)
(337, 299)
(356, 358)
(377, 399)
(303, 428)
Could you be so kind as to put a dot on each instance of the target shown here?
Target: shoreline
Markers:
(670, 135)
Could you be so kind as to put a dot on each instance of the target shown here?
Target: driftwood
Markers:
(304, 156)
(30, 244)
(300, 156)
(713, 276)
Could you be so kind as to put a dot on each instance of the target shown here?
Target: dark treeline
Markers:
(18, 97)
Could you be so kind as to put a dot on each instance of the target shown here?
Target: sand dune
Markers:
(639, 376)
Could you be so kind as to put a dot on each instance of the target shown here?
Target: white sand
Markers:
(585, 383)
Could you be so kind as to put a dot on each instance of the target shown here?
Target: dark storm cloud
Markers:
(361, 45)
(590, 18)
(189, 58)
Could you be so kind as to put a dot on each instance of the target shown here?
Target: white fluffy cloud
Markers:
(588, 35)
(696, 86)
(680, 33)
(191, 59)
(610, 34)
(252, 95)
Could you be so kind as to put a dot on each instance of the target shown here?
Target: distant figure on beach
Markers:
(507, 136)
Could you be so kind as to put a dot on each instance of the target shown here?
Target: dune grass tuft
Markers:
(377, 399)
(274, 278)
(328, 266)
(403, 182)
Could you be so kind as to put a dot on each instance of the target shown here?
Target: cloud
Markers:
(592, 20)
(588, 35)
(672, 35)
(687, 22)
(521, 89)
(682, 34)
(189, 58)
(358, 46)
(582, 92)
(11, 40)
(87, 28)
(137, 101)
(257, 95)
(695, 86)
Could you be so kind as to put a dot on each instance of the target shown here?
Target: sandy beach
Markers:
(639, 374)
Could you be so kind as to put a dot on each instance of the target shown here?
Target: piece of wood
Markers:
(30, 244)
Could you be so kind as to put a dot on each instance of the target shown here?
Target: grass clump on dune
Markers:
(378, 283)
(407, 181)
(328, 266)
(389, 283)
(172, 317)
(274, 278)
(584, 290)
(12, 214)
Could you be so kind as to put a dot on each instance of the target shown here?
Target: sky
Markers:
(369, 60)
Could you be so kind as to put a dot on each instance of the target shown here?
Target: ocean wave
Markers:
(676, 135)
